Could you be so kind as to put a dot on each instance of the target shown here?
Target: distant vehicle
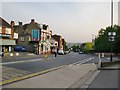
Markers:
(61, 52)
(80, 52)
(19, 49)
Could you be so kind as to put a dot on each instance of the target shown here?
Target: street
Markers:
(39, 64)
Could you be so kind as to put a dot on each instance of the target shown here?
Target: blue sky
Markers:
(75, 21)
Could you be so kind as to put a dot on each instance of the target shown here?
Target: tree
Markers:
(75, 48)
(86, 47)
(102, 44)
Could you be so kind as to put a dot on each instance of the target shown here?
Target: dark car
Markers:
(19, 48)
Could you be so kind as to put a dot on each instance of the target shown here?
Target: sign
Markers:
(15, 35)
(35, 35)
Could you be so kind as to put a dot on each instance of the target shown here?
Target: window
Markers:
(8, 30)
(22, 38)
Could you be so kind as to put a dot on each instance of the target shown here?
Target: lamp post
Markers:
(111, 39)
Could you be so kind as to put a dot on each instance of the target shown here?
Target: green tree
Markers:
(102, 43)
(75, 48)
(86, 47)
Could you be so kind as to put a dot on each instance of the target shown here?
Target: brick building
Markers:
(34, 37)
(7, 36)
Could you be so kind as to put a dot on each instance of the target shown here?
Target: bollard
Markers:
(46, 55)
(11, 54)
(103, 55)
(99, 63)
(17, 54)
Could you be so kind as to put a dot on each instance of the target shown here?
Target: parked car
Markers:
(19, 48)
(61, 52)
(80, 52)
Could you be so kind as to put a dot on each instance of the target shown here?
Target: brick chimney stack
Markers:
(32, 21)
(12, 23)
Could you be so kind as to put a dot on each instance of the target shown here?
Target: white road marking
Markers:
(83, 61)
(20, 61)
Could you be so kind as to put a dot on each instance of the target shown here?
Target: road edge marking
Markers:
(29, 76)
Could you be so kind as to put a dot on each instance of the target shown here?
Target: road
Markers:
(39, 64)
(26, 65)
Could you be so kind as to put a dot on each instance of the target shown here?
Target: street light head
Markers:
(109, 33)
(114, 33)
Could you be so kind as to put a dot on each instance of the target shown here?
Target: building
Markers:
(46, 38)
(119, 13)
(54, 45)
(34, 37)
(7, 36)
(58, 38)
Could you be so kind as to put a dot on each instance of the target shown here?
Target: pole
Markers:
(111, 12)
(111, 53)
(111, 27)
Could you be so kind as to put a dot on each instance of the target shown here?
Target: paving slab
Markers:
(61, 78)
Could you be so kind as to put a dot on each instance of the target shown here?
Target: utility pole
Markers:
(111, 27)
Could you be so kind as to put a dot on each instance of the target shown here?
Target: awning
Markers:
(7, 42)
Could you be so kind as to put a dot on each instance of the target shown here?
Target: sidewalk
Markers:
(65, 77)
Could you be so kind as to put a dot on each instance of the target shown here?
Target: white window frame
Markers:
(22, 39)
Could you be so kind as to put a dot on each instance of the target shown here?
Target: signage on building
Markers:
(35, 35)
(8, 30)
(15, 35)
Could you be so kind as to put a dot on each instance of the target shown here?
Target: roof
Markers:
(4, 23)
(24, 34)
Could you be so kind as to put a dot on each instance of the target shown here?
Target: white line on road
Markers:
(83, 61)
(20, 61)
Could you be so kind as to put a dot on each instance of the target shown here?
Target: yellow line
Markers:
(28, 76)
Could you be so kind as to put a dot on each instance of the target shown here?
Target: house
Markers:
(54, 45)
(7, 36)
(34, 37)
(58, 38)
(46, 37)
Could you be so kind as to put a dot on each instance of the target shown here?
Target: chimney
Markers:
(12, 23)
(20, 23)
(32, 20)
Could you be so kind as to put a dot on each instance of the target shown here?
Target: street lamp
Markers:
(111, 39)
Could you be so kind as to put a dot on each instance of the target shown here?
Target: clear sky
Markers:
(75, 21)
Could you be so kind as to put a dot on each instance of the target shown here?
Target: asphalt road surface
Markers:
(39, 64)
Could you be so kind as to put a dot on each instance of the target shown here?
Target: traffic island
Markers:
(110, 65)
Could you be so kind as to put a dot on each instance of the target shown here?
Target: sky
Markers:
(76, 22)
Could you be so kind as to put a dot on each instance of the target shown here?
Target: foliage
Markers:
(86, 47)
(102, 43)
(75, 48)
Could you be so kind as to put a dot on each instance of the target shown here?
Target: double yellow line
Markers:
(28, 76)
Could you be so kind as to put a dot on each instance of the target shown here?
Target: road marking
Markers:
(20, 61)
(83, 61)
(29, 75)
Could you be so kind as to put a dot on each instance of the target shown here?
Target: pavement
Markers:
(65, 77)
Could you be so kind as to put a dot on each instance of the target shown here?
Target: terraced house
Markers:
(7, 36)
(35, 37)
